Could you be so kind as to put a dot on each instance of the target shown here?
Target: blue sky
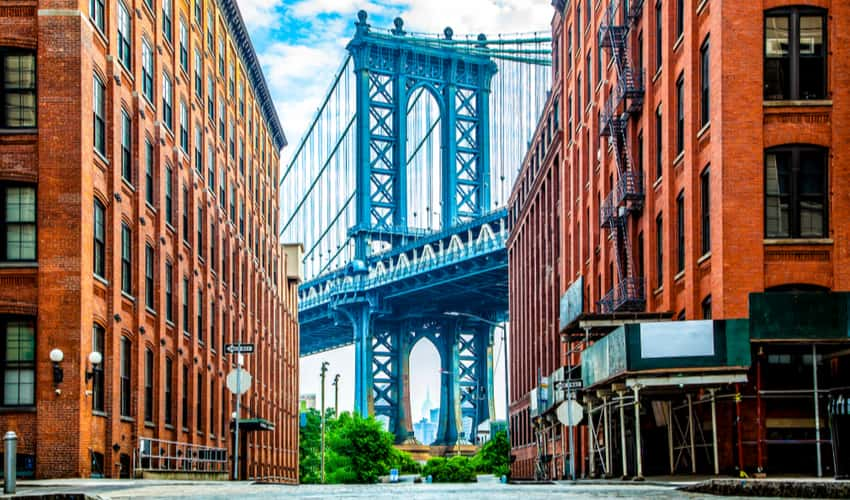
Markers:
(301, 44)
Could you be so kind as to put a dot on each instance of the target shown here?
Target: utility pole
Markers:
(322, 424)
(336, 395)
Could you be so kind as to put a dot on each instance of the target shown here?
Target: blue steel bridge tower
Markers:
(403, 217)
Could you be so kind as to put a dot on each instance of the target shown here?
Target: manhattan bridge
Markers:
(398, 192)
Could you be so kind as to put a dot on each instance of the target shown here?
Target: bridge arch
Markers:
(422, 154)
(425, 373)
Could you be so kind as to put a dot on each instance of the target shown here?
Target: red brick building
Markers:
(139, 154)
(697, 157)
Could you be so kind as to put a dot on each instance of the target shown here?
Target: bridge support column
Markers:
(448, 431)
(361, 320)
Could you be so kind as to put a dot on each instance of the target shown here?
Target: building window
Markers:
(185, 214)
(184, 403)
(796, 190)
(212, 326)
(199, 310)
(169, 292)
(125, 389)
(659, 16)
(17, 89)
(680, 18)
(212, 406)
(99, 239)
(680, 232)
(169, 394)
(680, 114)
(167, 112)
(221, 56)
(706, 308)
(19, 221)
(184, 126)
(149, 289)
(198, 8)
(166, 20)
(705, 84)
(199, 224)
(795, 54)
(18, 359)
(705, 208)
(184, 46)
(199, 155)
(231, 77)
(639, 263)
(99, 113)
(126, 260)
(186, 305)
(148, 385)
(97, 387)
(211, 168)
(199, 397)
(147, 70)
(659, 250)
(149, 152)
(126, 147)
(125, 34)
(199, 84)
(169, 197)
(210, 98)
(96, 13)
(659, 144)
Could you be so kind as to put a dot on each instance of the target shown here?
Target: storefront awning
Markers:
(254, 424)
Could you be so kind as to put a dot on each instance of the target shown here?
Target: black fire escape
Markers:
(626, 198)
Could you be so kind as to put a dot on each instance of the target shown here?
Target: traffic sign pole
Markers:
(238, 408)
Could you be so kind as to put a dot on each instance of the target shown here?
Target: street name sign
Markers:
(239, 348)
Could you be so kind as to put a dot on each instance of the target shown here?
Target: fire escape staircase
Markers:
(626, 198)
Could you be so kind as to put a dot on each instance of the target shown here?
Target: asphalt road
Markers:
(486, 489)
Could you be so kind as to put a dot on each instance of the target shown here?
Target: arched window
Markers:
(796, 187)
(795, 53)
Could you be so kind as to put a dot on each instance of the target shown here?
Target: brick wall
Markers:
(256, 304)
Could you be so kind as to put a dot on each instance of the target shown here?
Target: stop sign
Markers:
(244, 381)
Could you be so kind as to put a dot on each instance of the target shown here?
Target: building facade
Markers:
(698, 160)
(139, 169)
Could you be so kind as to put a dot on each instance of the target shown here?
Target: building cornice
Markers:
(236, 26)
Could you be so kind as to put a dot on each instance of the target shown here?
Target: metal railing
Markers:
(160, 455)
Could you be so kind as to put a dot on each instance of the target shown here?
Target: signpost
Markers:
(234, 384)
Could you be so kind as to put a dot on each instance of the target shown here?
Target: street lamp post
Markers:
(322, 422)
(335, 383)
(507, 365)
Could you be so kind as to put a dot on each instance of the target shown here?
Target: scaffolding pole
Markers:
(714, 429)
(817, 408)
(670, 436)
(691, 433)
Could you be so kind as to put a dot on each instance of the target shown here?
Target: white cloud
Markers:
(260, 13)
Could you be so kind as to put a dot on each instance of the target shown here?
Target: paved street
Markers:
(486, 489)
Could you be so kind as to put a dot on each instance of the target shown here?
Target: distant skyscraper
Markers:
(426, 429)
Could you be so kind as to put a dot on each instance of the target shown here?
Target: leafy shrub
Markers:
(402, 461)
(458, 469)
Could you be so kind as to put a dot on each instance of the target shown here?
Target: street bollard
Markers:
(10, 466)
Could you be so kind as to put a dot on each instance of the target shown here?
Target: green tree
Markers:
(492, 458)
(360, 450)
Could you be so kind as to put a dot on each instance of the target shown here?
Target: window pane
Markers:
(777, 191)
(811, 36)
(20, 342)
(776, 62)
(811, 186)
(19, 71)
(20, 204)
